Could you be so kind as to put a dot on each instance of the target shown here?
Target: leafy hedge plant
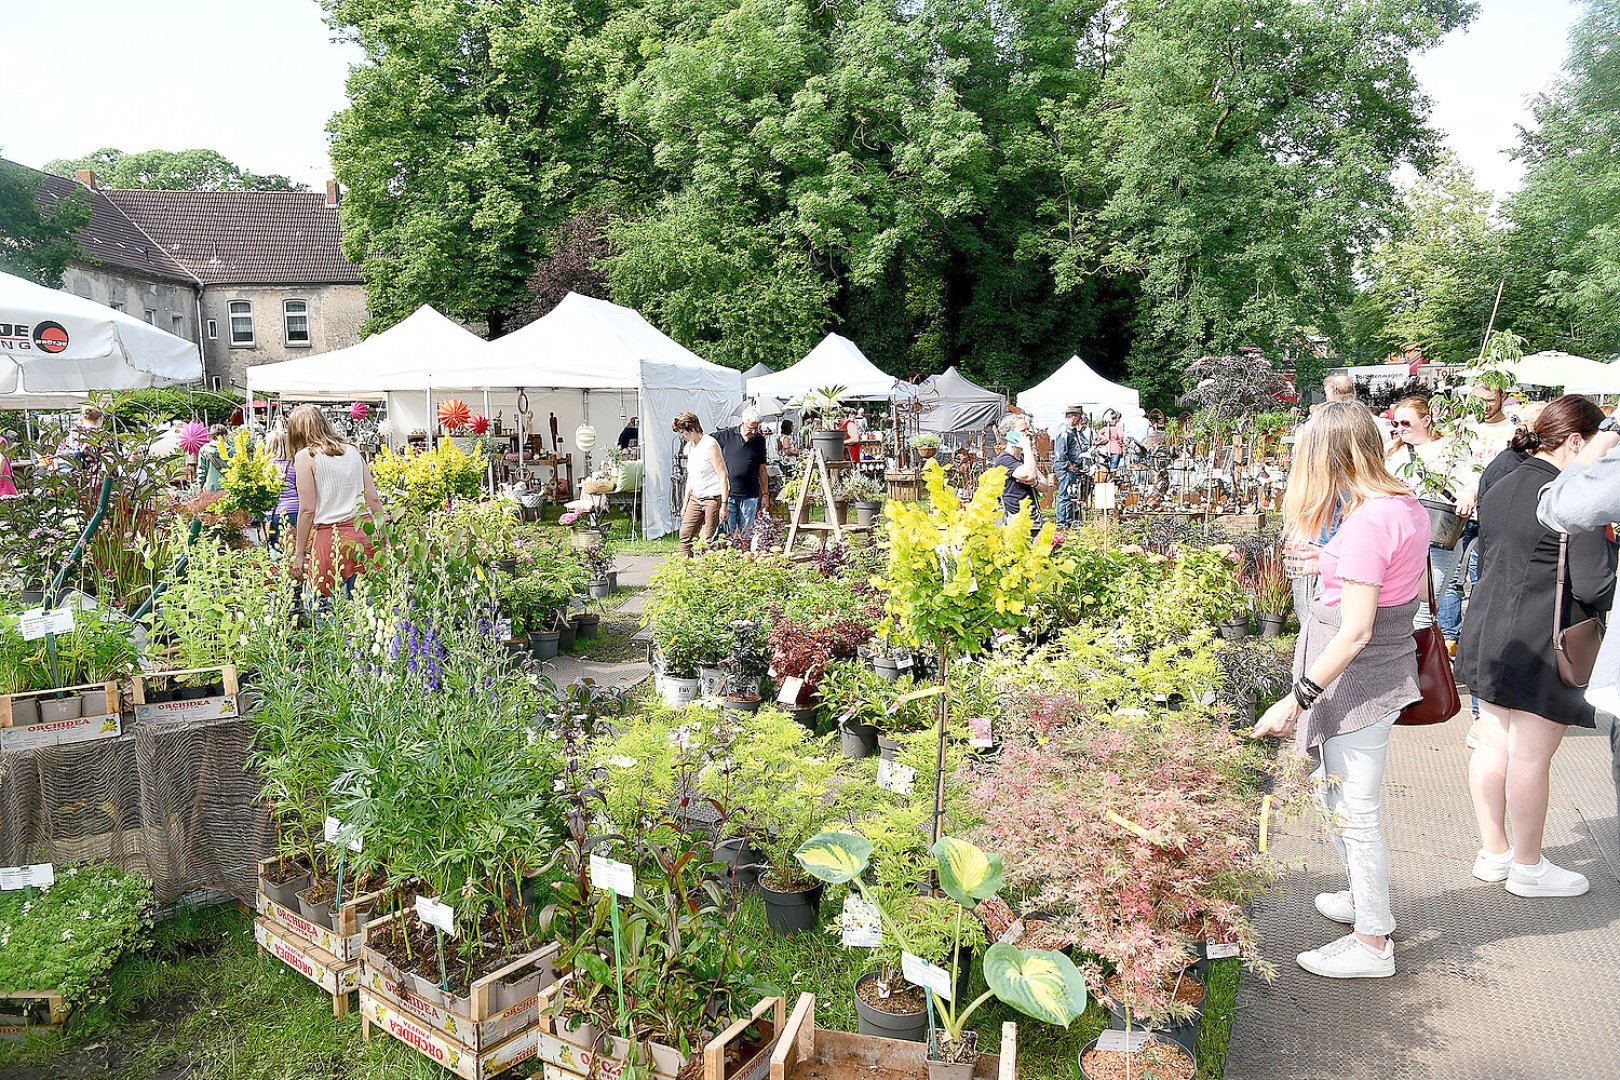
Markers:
(68, 937)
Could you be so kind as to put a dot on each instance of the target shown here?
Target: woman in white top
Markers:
(707, 488)
(333, 479)
(1433, 466)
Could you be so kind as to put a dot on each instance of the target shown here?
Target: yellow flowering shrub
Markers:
(420, 481)
(252, 481)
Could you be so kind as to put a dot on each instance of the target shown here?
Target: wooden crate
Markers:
(107, 724)
(805, 1051)
(339, 978)
(474, 1044)
(563, 1060)
(16, 1023)
(344, 942)
(213, 707)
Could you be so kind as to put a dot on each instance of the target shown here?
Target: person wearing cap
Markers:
(1025, 480)
(1069, 461)
(744, 451)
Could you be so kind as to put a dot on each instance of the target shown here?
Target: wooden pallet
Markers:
(565, 1060)
(213, 707)
(16, 1013)
(339, 978)
(806, 1052)
(107, 724)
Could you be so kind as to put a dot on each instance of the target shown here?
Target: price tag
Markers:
(610, 874)
(904, 662)
(1224, 951)
(1128, 1042)
(1011, 935)
(791, 689)
(37, 623)
(979, 732)
(862, 928)
(895, 777)
(1104, 497)
(435, 914)
(36, 875)
(336, 829)
(928, 976)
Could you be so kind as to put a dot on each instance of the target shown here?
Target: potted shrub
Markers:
(857, 697)
(778, 826)
(866, 494)
(824, 409)
(926, 443)
(745, 668)
(1043, 985)
(1274, 593)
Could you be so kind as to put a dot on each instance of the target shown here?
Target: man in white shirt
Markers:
(707, 487)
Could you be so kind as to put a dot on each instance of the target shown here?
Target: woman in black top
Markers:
(1506, 653)
(1019, 449)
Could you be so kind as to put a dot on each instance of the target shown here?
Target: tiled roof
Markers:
(110, 237)
(245, 237)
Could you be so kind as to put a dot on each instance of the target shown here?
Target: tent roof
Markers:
(837, 361)
(589, 344)
(756, 371)
(1075, 384)
(414, 353)
(71, 344)
(957, 403)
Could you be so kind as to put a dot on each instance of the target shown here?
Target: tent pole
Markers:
(489, 460)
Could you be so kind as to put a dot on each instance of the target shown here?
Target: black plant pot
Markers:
(565, 636)
(544, 645)
(192, 693)
(585, 626)
(888, 749)
(1183, 1034)
(154, 696)
(886, 668)
(906, 1027)
(318, 913)
(286, 893)
(216, 688)
(804, 715)
(790, 913)
(858, 740)
(32, 597)
(736, 704)
(1272, 625)
(745, 862)
(1236, 630)
(1085, 1075)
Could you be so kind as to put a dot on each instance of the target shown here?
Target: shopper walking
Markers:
(707, 487)
(1355, 665)
(1433, 466)
(744, 452)
(333, 481)
(1506, 654)
(285, 515)
(1024, 477)
(1069, 455)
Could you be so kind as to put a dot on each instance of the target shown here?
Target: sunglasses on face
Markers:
(1406, 423)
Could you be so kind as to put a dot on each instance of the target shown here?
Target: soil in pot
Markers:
(315, 903)
(1158, 1060)
(902, 1015)
(858, 740)
(956, 1059)
(1188, 991)
(422, 960)
(790, 911)
(742, 704)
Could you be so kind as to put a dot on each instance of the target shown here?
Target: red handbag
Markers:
(1440, 700)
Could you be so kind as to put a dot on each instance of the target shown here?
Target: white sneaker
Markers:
(1348, 958)
(1488, 867)
(1545, 880)
(1473, 741)
(1337, 906)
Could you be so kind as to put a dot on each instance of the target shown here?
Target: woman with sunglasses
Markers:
(1427, 461)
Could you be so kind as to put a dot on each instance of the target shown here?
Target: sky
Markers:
(257, 80)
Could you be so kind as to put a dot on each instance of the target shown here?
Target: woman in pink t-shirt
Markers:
(1355, 664)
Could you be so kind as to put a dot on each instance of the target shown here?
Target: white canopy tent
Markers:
(837, 361)
(755, 372)
(54, 343)
(955, 403)
(1574, 373)
(415, 353)
(588, 352)
(1075, 384)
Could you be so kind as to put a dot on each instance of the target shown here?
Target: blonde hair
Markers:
(276, 444)
(1338, 465)
(1417, 404)
(308, 427)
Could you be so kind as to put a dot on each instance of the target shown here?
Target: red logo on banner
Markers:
(50, 337)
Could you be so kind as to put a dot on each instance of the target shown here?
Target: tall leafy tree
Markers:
(171, 170)
(33, 243)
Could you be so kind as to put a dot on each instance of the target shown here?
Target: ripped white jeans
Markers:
(1356, 762)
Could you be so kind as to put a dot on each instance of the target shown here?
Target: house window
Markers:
(177, 325)
(116, 305)
(241, 322)
(295, 317)
(213, 329)
(150, 315)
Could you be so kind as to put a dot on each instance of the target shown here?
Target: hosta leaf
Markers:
(967, 872)
(835, 857)
(1036, 982)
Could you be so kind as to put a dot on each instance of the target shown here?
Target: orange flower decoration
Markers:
(453, 415)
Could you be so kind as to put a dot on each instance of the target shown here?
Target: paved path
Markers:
(1488, 986)
(637, 570)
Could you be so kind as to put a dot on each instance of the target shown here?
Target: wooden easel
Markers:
(818, 464)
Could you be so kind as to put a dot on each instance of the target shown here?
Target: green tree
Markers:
(170, 170)
(35, 244)
(1433, 281)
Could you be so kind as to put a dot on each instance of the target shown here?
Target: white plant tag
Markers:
(980, 731)
(339, 833)
(904, 663)
(623, 761)
(1223, 951)
(895, 777)
(37, 875)
(435, 914)
(1011, 935)
(1123, 1041)
(791, 689)
(926, 975)
(862, 928)
(611, 874)
(37, 623)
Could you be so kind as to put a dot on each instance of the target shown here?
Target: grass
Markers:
(203, 1004)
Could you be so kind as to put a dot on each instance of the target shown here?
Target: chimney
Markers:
(334, 194)
(86, 177)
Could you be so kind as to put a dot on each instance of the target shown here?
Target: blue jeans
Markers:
(1069, 487)
(740, 514)
(1449, 595)
(1443, 567)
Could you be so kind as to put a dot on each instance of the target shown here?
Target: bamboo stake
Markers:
(1500, 285)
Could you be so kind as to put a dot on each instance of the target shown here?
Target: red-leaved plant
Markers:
(804, 652)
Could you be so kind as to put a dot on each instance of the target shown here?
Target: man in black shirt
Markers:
(743, 447)
(630, 435)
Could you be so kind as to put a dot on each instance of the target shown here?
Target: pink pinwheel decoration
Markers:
(193, 437)
(479, 423)
(359, 411)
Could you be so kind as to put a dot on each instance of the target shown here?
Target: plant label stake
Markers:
(791, 689)
(37, 623)
(27, 878)
(861, 924)
(1265, 821)
(442, 918)
(348, 840)
(620, 879)
(928, 976)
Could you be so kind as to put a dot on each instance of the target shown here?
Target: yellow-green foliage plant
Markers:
(421, 481)
(252, 481)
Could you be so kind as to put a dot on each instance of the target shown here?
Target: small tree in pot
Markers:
(745, 666)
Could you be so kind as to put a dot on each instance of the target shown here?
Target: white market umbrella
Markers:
(52, 342)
